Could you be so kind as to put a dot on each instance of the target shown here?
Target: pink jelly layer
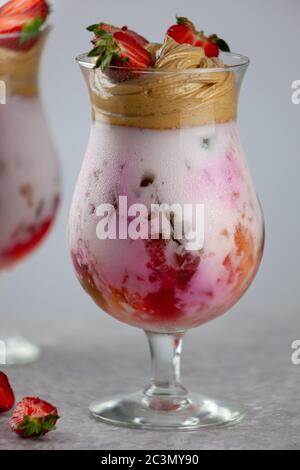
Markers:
(180, 295)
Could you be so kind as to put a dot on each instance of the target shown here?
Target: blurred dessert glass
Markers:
(29, 176)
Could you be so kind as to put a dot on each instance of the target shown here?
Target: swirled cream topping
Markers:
(177, 92)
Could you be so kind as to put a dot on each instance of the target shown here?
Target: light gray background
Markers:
(245, 355)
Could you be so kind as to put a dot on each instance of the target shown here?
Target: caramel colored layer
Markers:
(19, 69)
(165, 101)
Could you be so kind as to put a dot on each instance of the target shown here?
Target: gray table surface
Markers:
(87, 357)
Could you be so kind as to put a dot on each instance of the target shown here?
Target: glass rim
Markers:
(242, 61)
(45, 27)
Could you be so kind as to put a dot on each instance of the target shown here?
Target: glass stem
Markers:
(165, 352)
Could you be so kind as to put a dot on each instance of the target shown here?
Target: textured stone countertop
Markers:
(242, 358)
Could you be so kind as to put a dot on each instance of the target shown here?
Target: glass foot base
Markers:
(18, 350)
(166, 413)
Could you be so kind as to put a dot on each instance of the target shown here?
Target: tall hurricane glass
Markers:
(161, 142)
(29, 177)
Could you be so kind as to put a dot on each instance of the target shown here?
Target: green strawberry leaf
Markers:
(186, 22)
(95, 52)
(36, 427)
(106, 60)
(31, 29)
(101, 33)
(105, 49)
(222, 45)
(50, 422)
(93, 28)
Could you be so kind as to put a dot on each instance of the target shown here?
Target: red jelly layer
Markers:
(21, 249)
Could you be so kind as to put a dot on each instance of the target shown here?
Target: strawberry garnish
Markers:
(222, 45)
(24, 18)
(21, 32)
(185, 21)
(30, 8)
(98, 27)
(185, 32)
(140, 39)
(199, 43)
(118, 48)
(210, 48)
(182, 34)
(7, 397)
(33, 417)
(109, 28)
(130, 49)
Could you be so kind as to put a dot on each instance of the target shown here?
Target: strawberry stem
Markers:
(106, 48)
(186, 22)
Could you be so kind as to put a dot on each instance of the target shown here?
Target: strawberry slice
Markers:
(140, 39)
(182, 34)
(31, 8)
(130, 48)
(109, 28)
(33, 418)
(21, 32)
(119, 49)
(211, 49)
(7, 397)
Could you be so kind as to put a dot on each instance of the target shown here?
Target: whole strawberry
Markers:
(20, 23)
(31, 8)
(118, 47)
(33, 417)
(7, 397)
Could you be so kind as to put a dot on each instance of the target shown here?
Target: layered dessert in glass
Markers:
(29, 177)
(164, 133)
